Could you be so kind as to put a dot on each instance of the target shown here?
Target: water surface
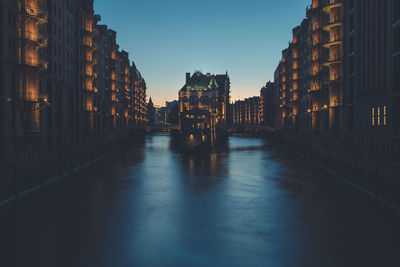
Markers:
(252, 205)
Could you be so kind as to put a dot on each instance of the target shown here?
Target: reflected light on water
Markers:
(251, 205)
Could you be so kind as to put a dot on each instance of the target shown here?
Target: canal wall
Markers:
(36, 166)
(380, 179)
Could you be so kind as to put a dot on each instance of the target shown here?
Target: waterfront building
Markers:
(246, 112)
(162, 115)
(339, 85)
(372, 84)
(171, 104)
(269, 105)
(224, 87)
(9, 71)
(198, 102)
(202, 101)
(394, 78)
(151, 112)
(139, 97)
(238, 113)
(252, 110)
(64, 87)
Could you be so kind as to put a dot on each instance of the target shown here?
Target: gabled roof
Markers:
(200, 81)
(213, 83)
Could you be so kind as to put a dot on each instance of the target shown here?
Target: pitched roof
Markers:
(200, 81)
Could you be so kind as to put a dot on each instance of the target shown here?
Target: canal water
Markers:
(251, 205)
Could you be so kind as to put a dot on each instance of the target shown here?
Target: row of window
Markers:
(378, 116)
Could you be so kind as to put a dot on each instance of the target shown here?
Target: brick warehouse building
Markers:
(247, 112)
(205, 95)
(338, 83)
(67, 92)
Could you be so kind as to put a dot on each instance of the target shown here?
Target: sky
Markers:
(167, 38)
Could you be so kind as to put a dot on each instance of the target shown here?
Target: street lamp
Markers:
(43, 103)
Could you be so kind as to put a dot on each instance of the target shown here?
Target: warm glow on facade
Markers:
(31, 21)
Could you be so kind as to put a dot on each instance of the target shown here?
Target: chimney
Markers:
(187, 76)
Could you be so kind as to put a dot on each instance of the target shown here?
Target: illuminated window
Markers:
(384, 116)
(373, 116)
(379, 116)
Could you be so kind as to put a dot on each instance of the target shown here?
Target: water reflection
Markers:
(249, 205)
(204, 171)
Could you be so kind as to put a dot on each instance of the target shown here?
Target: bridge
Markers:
(251, 129)
(160, 128)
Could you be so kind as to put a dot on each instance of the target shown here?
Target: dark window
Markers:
(351, 118)
(351, 4)
(1, 15)
(1, 119)
(396, 71)
(10, 46)
(10, 18)
(1, 148)
(396, 116)
(396, 9)
(351, 90)
(351, 24)
(351, 65)
(396, 39)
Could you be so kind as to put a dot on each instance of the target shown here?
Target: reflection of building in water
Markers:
(203, 101)
(211, 166)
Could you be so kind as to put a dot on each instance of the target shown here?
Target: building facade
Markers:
(238, 110)
(151, 112)
(269, 106)
(339, 84)
(247, 112)
(336, 89)
(199, 106)
(66, 90)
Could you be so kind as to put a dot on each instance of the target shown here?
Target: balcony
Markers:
(39, 15)
(334, 42)
(90, 90)
(90, 31)
(91, 75)
(36, 38)
(34, 63)
(335, 80)
(91, 60)
(333, 25)
(90, 45)
(332, 5)
(333, 61)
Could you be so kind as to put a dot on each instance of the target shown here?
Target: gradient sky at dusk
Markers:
(167, 38)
